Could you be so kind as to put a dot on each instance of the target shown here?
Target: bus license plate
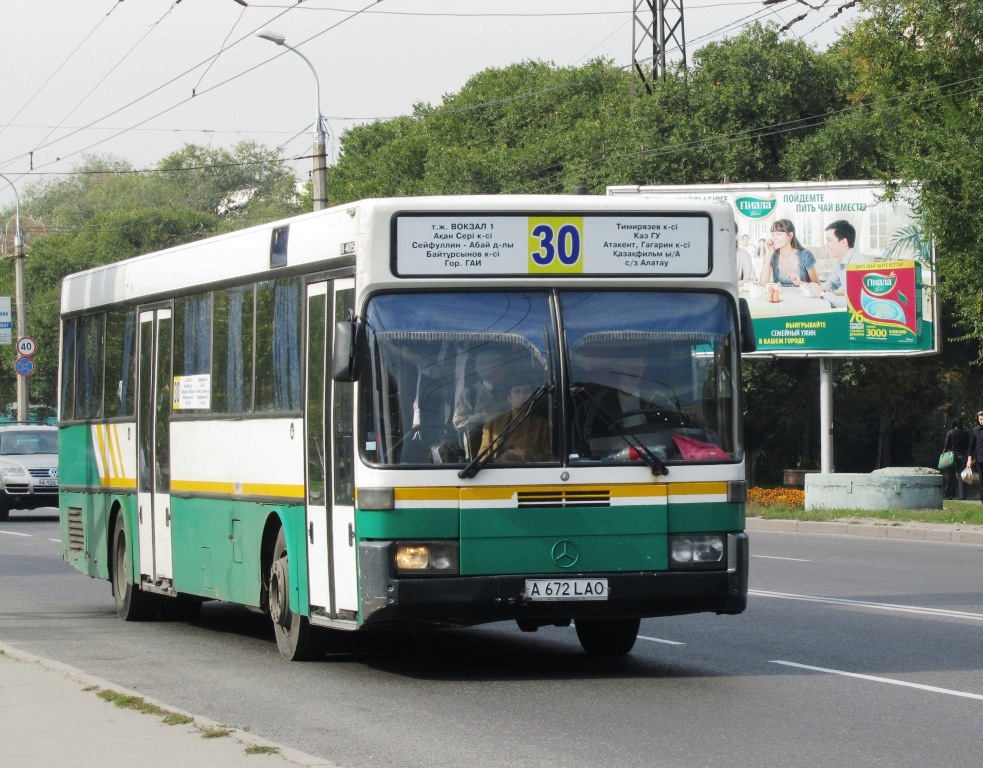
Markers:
(566, 589)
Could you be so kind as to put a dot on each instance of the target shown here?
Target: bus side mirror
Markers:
(347, 349)
(748, 341)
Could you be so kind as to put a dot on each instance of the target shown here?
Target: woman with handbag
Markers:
(957, 441)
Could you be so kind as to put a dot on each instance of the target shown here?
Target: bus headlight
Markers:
(427, 558)
(697, 551)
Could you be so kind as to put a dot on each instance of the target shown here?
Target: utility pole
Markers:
(23, 400)
(656, 26)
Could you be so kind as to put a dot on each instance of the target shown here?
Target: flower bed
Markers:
(793, 498)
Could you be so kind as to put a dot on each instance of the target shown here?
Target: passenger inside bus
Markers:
(519, 434)
(483, 396)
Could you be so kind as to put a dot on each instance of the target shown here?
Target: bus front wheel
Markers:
(607, 637)
(132, 604)
(296, 639)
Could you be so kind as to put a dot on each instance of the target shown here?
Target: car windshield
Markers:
(483, 379)
(26, 441)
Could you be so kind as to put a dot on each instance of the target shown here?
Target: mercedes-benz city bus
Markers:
(415, 413)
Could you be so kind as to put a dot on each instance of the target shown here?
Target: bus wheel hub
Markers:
(279, 606)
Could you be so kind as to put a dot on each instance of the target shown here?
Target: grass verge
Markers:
(952, 513)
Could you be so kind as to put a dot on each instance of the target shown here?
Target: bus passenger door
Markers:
(330, 459)
(153, 436)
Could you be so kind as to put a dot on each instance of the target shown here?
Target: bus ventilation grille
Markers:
(563, 498)
(76, 536)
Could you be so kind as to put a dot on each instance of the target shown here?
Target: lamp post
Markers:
(320, 143)
(20, 312)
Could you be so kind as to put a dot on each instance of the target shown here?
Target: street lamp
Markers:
(320, 160)
(22, 395)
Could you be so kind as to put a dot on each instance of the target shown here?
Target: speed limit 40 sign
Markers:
(26, 346)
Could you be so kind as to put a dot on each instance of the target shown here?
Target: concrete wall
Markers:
(880, 491)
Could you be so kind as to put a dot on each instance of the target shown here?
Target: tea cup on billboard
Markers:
(755, 291)
(805, 289)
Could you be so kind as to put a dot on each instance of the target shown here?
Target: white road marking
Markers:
(888, 680)
(773, 557)
(877, 606)
(660, 640)
(13, 533)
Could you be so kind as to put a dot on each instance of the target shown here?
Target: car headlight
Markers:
(704, 551)
(427, 558)
(12, 471)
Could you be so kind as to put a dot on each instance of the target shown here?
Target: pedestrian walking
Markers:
(957, 441)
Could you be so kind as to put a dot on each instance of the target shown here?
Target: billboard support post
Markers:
(825, 415)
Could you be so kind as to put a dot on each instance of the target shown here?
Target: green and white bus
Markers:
(322, 419)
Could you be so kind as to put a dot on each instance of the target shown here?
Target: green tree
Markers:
(917, 65)
(750, 99)
(247, 184)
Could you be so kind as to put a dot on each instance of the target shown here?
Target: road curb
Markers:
(201, 723)
(949, 533)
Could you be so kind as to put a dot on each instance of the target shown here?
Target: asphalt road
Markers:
(853, 652)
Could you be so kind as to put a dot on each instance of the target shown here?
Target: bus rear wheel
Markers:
(607, 637)
(132, 604)
(296, 639)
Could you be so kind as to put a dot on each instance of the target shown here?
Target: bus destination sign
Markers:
(448, 245)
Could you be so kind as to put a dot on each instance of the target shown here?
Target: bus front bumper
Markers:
(469, 600)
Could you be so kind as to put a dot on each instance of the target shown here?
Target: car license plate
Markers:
(48, 481)
(566, 589)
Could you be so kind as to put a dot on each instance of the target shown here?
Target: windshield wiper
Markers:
(586, 400)
(490, 451)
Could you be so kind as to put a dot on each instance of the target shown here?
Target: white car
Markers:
(28, 467)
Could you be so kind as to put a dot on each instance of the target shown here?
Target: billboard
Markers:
(814, 293)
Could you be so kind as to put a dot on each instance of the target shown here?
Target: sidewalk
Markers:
(954, 533)
(51, 716)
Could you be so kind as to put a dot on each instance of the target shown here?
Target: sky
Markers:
(139, 79)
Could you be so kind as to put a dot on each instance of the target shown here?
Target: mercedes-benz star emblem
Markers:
(565, 553)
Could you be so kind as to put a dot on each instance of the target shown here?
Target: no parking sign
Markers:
(24, 366)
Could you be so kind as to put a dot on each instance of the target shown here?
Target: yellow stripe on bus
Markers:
(119, 482)
(111, 472)
(698, 489)
(427, 494)
(619, 492)
(117, 452)
(226, 488)
(627, 491)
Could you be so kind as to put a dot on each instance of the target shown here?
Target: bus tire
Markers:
(607, 637)
(132, 603)
(296, 639)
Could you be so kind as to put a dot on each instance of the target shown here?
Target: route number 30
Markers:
(556, 242)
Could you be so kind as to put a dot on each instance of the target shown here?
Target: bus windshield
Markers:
(550, 377)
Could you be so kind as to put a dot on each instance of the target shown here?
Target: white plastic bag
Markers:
(967, 475)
